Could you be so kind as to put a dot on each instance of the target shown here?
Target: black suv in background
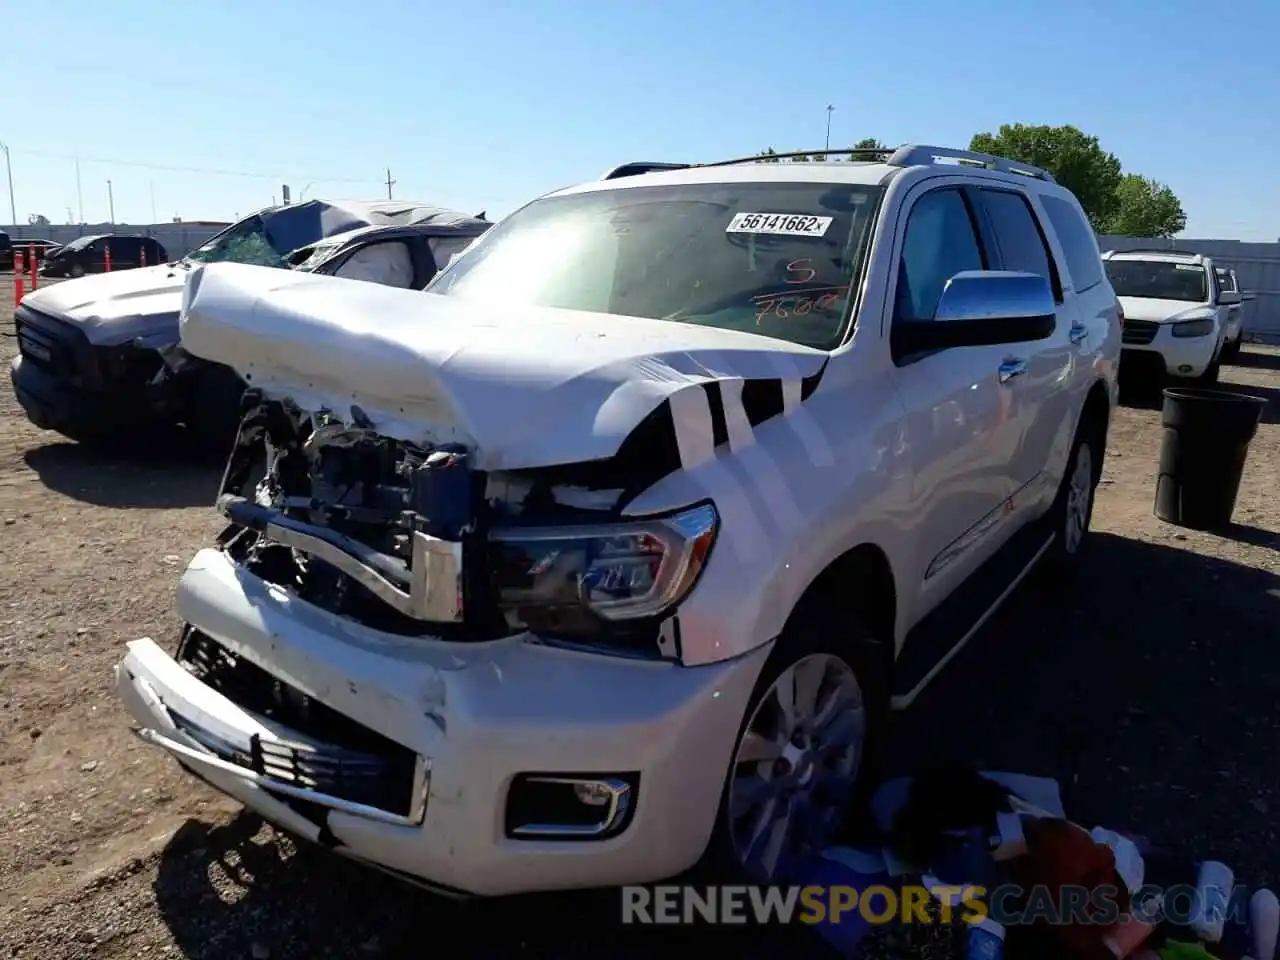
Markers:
(89, 255)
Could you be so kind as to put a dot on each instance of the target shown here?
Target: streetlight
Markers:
(830, 108)
(13, 207)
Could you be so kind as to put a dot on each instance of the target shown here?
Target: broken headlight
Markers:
(567, 578)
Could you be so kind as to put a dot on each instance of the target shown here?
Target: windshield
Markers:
(1158, 280)
(78, 244)
(244, 242)
(778, 259)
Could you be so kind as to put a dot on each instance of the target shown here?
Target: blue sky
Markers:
(487, 103)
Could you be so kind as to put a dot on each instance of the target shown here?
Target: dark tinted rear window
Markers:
(1018, 234)
(1079, 245)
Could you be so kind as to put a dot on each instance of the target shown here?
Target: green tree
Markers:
(1075, 159)
(1146, 208)
(869, 143)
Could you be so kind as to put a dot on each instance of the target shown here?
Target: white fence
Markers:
(178, 239)
(1257, 267)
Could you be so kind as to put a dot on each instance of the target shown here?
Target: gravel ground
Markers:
(1149, 690)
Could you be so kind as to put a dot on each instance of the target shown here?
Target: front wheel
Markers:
(801, 763)
(1231, 350)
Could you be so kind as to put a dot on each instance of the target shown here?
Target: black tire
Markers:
(1065, 552)
(1231, 350)
(76, 271)
(820, 626)
(213, 401)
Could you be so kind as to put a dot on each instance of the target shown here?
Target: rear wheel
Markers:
(803, 763)
(1072, 510)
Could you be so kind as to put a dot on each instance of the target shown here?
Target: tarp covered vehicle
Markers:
(100, 359)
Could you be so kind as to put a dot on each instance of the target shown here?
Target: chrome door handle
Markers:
(1013, 367)
(1078, 332)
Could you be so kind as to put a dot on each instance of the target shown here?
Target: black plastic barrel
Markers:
(1206, 440)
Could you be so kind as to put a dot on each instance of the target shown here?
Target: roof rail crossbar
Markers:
(637, 167)
(915, 154)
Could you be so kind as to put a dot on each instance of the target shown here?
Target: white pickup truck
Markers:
(611, 552)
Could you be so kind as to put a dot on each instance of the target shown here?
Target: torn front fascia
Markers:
(352, 521)
(383, 531)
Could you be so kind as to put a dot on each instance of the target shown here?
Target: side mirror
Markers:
(981, 308)
(1228, 298)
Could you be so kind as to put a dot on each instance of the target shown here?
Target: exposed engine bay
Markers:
(411, 539)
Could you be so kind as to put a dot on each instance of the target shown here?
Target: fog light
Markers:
(570, 807)
(1184, 368)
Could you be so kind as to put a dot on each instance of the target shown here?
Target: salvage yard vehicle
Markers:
(102, 253)
(27, 247)
(1177, 318)
(611, 552)
(100, 358)
(404, 256)
(1228, 284)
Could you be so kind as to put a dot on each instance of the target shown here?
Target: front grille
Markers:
(332, 753)
(1139, 331)
(49, 343)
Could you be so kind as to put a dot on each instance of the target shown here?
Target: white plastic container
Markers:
(1213, 890)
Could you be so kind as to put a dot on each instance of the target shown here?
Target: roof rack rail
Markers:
(854, 153)
(1173, 250)
(916, 154)
(907, 155)
(637, 167)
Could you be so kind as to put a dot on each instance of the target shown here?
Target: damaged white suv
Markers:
(611, 551)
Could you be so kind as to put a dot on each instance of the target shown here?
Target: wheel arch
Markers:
(1095, 419)
(864, 576)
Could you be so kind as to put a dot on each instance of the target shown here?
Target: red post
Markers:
(31, 260)
(142, 256)
(108, 257)
(19, 268)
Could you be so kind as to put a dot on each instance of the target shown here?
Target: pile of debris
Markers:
(987, 865)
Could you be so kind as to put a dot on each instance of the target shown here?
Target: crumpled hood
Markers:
(1162, 311)
(120, 306)
(523, 387)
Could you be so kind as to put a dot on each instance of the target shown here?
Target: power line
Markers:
(182, 169)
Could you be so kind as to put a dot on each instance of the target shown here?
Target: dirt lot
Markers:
(1149, 690)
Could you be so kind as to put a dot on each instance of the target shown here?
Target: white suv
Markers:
(612, 551)
(1177, 317)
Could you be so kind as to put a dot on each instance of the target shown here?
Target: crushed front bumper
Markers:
(477, 719)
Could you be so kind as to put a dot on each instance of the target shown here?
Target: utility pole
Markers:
(13, 207)
(830, 108)
(390, 183)
(79, 192)
(111, 203)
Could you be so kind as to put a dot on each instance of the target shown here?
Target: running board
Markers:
(933, 642)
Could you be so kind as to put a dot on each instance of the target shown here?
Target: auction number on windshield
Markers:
(783, 224)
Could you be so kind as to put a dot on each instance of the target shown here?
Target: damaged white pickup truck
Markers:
(610, 552)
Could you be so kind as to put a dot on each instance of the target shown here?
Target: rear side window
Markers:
(1078, 242)
(1019, 237)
